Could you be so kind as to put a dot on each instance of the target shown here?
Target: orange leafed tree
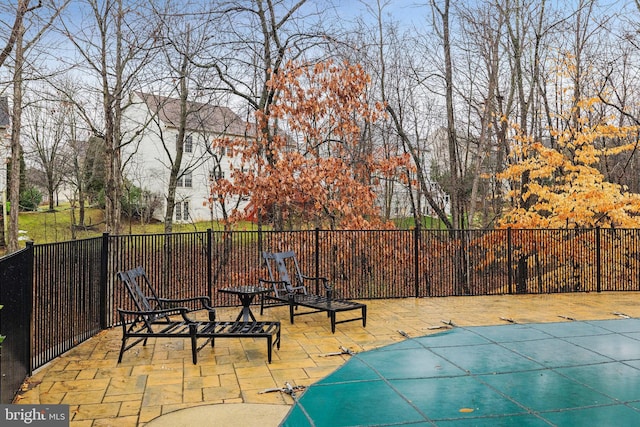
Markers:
(309, 161)
(562, 185)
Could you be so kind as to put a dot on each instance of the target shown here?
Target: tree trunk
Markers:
(486, 120)
(17, 30)
(179, 145)
(51, 193)
(16, 148)
(112, 105)
(455, 192)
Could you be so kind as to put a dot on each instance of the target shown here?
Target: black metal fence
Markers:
(15, 321)
(67, 296)
(75, 293)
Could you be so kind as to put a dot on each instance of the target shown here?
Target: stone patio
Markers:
(155, 381)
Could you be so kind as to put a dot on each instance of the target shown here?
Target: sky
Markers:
(405, 12)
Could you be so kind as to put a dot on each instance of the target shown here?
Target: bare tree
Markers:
(16, 148)
(254, 40)
(116, 41)
(180, 111)
(483, 29)
(181, 43)
(379, 44)
(46, 131)
(79, 151)
(23, 43)
(23, 8)
(442, 21)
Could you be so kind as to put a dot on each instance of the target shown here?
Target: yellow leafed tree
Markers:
(560, 186)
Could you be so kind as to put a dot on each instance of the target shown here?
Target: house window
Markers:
(215, 175)
(187, 147)
(181, 210)
(185, 180)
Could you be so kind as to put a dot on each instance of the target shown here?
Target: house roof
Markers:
(4, 113)
(200, 117)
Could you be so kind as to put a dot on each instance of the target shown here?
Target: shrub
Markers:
(30, 199)
(139, 203)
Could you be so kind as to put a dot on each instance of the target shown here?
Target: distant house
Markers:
(4, 113)
(404, 198)
(152, 124)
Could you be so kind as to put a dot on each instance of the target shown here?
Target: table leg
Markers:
(245, 313)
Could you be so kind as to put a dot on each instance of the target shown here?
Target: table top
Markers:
(245, 290)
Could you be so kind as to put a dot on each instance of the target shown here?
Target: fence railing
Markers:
(75, 293)
(67, 296)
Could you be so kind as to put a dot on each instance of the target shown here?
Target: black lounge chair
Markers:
(146, 298)
(295, 293)
(156, 317)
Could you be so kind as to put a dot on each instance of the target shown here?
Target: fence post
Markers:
(416, 267)
(509, 262)
(104, 262)
(29, 302)
(209, 263)
(598, 262)
(317, 250)
(260, 241)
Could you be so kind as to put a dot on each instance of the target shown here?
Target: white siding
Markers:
(147, 163)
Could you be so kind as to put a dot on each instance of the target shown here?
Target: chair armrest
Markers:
(324, 279)
(286, 287)
(271, 282)
(204, 301)
(163, 312)
(325, 283)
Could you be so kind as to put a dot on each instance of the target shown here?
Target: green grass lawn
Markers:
(47, 227)
(428, 223)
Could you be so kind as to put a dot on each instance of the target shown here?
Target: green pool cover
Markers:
(562, 374)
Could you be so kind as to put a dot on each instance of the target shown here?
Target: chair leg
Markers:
(364, 316)
(269, 349)
(291, 307)
(124, 343)
(194, 343)
(291, 315)
(333, 322)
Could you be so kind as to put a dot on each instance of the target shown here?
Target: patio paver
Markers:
(160, 379)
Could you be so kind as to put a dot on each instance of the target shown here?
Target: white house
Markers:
(151, 131)
(430, 151)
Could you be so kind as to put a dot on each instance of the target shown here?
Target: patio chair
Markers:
(295, 293)
(156, 317)
(146, 298)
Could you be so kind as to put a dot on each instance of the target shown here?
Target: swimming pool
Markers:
(565, 374)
